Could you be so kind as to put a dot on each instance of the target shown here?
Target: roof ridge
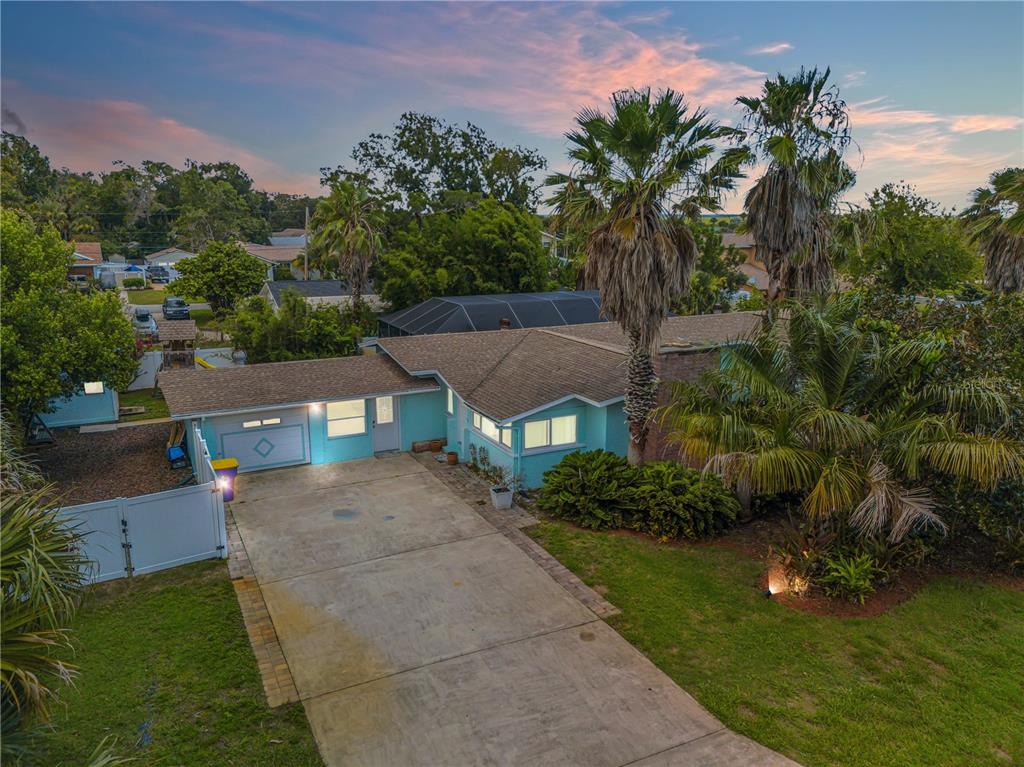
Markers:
(494, 367)
(586, 341)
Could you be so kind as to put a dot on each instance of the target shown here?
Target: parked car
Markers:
(79, 282)
(143, 320)
(176, 309)
(159, 274)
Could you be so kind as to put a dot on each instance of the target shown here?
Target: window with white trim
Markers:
(264, 422)
(491, 430)
(551, 432)
(94, 387)
(346, 418)
(451, 402)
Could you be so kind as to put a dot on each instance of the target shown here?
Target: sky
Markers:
(936, 90)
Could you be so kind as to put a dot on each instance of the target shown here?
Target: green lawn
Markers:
(203, 317)
(147, 296)
(167, 670)
(156, 406)
(935, 681)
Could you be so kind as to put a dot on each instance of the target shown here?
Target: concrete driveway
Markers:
(417, 634)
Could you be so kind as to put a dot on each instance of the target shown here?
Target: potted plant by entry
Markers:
(502, 490)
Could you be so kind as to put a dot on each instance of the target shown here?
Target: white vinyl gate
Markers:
(132, 536)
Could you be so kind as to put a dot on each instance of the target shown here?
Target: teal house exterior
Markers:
(518, 399)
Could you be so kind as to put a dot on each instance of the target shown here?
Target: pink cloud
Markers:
(88, 135)
(773, 49)
(536, 65)
(980, 123)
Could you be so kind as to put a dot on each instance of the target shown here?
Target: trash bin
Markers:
(226, 469)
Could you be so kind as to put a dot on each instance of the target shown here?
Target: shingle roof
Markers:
(247, 387)
(737, 240)
(278, 254)
(152, 257)
(693, 330)
(175, 330)
(91, 252)
(308, 288)
(505, 373)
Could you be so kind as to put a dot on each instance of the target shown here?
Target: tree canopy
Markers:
(906, 243)
(223, 273)
(492, 247)
(54, 340)
(424, 157)
(296, 331)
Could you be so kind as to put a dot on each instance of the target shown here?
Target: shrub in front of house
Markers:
(600, 490)
(673, 501)
(591, 489)
(134, 283)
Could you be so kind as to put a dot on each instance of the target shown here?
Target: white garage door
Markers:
(266, 440)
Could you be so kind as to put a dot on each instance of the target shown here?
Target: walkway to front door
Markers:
(419, 635)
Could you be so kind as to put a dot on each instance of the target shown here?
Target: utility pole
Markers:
(305, 248)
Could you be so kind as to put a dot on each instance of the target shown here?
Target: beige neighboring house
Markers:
(316, 293)
(87, 257)
(756, 274)
(275, 255)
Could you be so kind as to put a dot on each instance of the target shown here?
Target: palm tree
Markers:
(800, 128)
(847, 419)
(996, 222)
(347, 228)
(631, 166)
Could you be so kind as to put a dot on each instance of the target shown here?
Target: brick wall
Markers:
(675, 366)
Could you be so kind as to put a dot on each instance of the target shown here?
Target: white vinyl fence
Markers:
(133, 536)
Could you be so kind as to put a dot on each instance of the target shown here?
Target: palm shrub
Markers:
(672, 501)
(590, 489)
(41, 570)
(996, 223)
(850, 420)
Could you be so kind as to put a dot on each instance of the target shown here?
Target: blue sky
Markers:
(936, 89)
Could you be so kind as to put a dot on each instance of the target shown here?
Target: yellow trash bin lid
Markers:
(224, 463)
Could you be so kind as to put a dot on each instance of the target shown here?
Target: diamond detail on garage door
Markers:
(263, 447)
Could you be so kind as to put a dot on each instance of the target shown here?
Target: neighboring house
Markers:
(88, 256)
(275, 255)
(289, 237)
(168, 258)
(528, 396)
(96, 403)
(463, 314)
(754, 270)
(316, 293)
(553, 245)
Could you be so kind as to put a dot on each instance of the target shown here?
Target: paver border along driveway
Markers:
(417, 634)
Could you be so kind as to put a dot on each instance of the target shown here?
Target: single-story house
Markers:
(277, 255)
(95, 403)
(316, 293)
(754, 270)
(528, 396)
(87, 258)
(168, 258)
(289, 237)
(464, 314)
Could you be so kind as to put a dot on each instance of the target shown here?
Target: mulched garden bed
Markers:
(125, 462)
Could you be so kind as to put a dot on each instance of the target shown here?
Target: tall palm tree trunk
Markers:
(641, 395)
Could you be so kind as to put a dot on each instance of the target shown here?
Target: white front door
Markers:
(385, 424)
